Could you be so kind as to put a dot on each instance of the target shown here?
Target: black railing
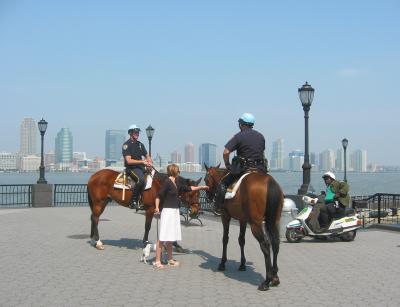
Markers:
(15, 195)
(67, 195)
(378, 208)
(381, 208)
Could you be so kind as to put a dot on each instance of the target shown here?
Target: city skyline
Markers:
(191, 69)
(65, 157)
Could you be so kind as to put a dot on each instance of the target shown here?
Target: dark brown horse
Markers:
(101, 191)
(258, 202)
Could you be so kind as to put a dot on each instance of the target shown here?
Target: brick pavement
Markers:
(46, 260)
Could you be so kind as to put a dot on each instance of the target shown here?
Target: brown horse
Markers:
(258, 202)
(101, 191)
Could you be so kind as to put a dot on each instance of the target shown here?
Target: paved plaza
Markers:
(46, 260)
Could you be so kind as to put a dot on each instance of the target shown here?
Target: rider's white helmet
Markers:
(247, 119)
(329, 174)
(134, 128)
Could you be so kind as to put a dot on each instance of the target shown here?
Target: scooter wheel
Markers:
(291, 236)
(348, 236)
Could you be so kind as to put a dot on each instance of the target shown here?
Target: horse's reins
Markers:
(214, 195)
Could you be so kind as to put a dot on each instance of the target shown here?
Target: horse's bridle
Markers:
(213, 194)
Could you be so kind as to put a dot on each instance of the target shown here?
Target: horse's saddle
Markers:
(125, 182)
(232, 189)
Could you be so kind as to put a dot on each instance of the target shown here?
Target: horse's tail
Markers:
(273, 207)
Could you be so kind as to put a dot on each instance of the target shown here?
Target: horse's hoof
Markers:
(100, 247)
(221, 267)
(275, 281)
(264, 286)
(242, 267)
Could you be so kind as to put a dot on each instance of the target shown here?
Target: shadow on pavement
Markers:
(80, 236)
(124, 243)
(231, 268)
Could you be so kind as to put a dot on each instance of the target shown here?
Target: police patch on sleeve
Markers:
(124, 147)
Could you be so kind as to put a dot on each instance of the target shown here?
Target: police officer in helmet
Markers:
(133, 152)
(249, 145)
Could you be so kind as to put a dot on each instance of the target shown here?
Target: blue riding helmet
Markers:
(134, 128)
(247, 119)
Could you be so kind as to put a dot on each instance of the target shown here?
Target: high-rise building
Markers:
(339, 163)
(314, 161)
(327, 160)
(296, 160)
(189, 153)
(208, 154)
(114, 141)
(359, 160)
(277, 155)
(176, 157)
(63, 149)
(29, 131)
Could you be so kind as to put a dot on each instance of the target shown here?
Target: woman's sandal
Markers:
(158, 265)
(173, 262)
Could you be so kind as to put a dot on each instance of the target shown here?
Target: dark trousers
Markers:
(330, 211)
(137, 175)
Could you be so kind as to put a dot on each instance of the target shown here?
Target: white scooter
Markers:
(345, 227)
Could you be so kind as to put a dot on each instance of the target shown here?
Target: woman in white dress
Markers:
(170, 223)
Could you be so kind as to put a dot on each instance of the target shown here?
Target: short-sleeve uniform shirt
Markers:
(249, 144)
(135, 149)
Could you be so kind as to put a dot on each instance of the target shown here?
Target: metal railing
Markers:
(15, 195)
(67, 195)
(380, 208)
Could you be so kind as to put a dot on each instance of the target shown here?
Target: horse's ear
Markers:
(219, 164)
(198, 181)
(205, 165)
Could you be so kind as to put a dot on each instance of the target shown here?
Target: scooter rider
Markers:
(133, 150)
(249, 145)
(336, 199)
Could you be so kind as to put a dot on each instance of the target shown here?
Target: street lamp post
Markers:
(150, 133)
(42, 124)
(345, 142)
(306, 94)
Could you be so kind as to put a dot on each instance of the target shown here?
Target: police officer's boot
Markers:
(135, 197)
(220, 197)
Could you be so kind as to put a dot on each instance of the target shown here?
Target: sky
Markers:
(191, 68)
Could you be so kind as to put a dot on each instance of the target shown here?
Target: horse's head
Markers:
(190, 199)
(213, 178)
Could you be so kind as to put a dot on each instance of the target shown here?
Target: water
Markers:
(360, 183)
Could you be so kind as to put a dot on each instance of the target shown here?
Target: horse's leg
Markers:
(147, 225)
(242, 241)
(275, 241)
(225, 222)
(97, 210)
(262, 237)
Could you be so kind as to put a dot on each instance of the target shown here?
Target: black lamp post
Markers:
(345, 142)
(306, 94)
(150, 133)
(42, 124)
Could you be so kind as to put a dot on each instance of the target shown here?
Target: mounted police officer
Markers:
(133, 151)
(249, 145)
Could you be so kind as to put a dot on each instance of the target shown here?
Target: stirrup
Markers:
(133, 205)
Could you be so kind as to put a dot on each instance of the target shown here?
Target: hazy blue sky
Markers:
(190, 68)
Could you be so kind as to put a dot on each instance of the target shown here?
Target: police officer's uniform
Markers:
(136, 150)
(249, 145)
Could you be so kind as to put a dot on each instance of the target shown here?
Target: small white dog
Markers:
(150, 247)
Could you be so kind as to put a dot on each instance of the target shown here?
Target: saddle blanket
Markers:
(149, 180)
(231, 193)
